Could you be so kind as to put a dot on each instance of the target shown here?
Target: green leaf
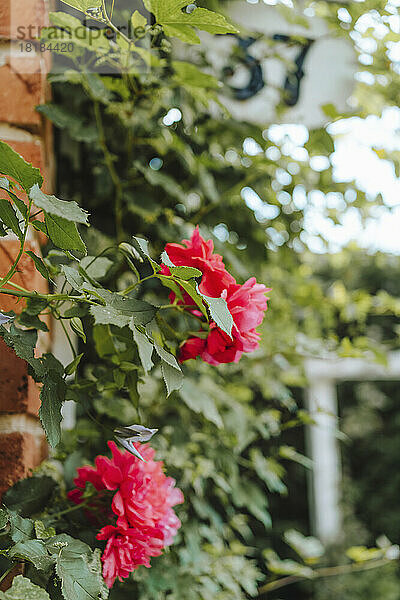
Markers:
(185, 272)
(29, 496)
(64, 234)
(166, 259)
(79, 570)
(39, 264)
(13, 165)
(138, 20)
(191, 288)
(145, 348)
(219, 312)
(308, 548)
(291, 453)
(200, 403)
(52, 396)
(9, 218)
(72, 367)
(35, 552)
(269, 470)
(187, 74)
(20, 204)
(20, 529)
(74, 278)
(23, 342)
(287, 566)
(167, 357)
(23, 589)
(60, 208)
(362, 554)
(172, 377)
(319, 142)
(141, 247)
(3, 518)
(83, 5)
(177, 23)
(42, 533)
(62, 118)
(107, 315)
(122, 308)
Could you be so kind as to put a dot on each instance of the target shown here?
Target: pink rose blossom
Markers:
(141, 508)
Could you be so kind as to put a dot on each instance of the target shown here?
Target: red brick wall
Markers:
(23, 85)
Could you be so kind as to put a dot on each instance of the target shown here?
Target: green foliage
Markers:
(219, 430)
(23, 588)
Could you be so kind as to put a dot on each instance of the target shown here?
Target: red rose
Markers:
(198, 253)
(247, 304)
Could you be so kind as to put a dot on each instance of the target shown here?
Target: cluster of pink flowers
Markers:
(247, 303)
(141, 518)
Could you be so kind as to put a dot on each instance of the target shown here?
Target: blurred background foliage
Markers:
(229, 436)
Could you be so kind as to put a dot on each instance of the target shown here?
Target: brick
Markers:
(18, 391)
(16, 16)
(19, 454)
(21, 92)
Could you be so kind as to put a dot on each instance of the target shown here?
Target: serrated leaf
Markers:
(60, 208)
(145, 348)
(52, 396)
(9, 218)
(190, 288)
(20, 529)
(3, 518)
(78, 568)
(107, 315)
(167, 357)
(64, 234)
(23, 589)
(74, 278)
(23, 342)
(35, 552)
(172, 377)
(141, 247)
(43, 533)
(177, 23)
(13, 165)
(39, 264)
(219, 312)
(186, 273)
(20, 204)
(29, 496)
